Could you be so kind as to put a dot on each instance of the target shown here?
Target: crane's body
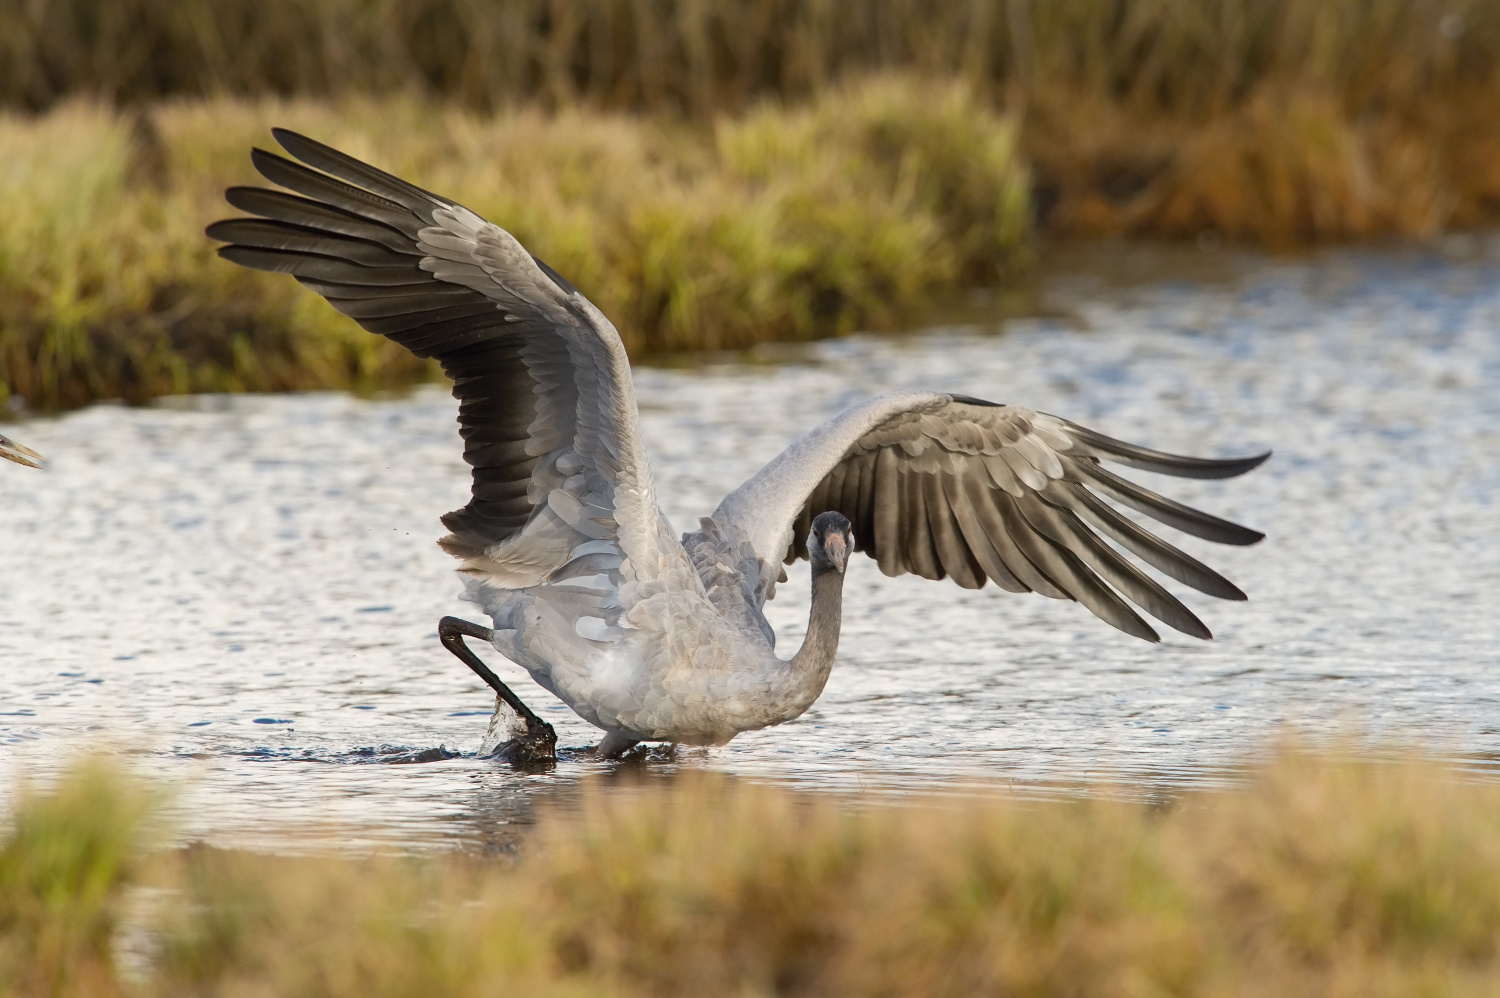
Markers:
(563, 546)
(686, 658)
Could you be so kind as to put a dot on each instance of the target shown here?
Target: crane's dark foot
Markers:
(531, 749)
(511, 738)
(538, 743)
(634, 753)
(613, 745)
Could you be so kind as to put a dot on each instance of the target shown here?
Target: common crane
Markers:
(646, 635)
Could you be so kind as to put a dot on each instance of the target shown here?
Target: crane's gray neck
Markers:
(811, 665)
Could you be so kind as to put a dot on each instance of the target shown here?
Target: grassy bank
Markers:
(1323, 877)
(713, 173)
(775, 224)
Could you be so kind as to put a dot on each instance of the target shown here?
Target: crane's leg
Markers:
(539, 744)
(613, 745)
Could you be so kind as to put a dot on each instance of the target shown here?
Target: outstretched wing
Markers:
(946, 485)
(547, 411)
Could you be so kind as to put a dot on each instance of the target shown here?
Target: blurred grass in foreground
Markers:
(775, 224)
(1323, 877)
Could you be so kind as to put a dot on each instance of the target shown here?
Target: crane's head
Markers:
(829, 541)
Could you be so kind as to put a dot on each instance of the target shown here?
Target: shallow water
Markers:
(244, 591)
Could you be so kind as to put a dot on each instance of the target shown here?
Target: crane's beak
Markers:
(12, 451)
(836, 547)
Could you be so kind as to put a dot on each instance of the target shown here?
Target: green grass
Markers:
(63, 861)
(1322, 876)
(850, 212)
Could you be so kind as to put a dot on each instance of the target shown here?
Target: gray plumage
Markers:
(562, 543)
(12, 451)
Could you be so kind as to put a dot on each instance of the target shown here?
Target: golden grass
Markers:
(776, 224)
(1278, 121)
(1322, 877)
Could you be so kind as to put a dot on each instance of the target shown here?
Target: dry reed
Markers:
(1320, 877)
(1281, 121)
(705, 56)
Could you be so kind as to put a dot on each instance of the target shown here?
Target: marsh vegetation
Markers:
(1322, 876)
(843, 214)
(711, 174)
(1278, 120)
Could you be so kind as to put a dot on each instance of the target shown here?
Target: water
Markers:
(243, 592)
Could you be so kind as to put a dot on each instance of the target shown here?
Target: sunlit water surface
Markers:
(243, 592)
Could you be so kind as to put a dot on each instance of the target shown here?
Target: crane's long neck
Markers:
(810, 666)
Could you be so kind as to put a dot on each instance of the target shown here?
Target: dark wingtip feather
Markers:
(1155, 551)
(1192, 627)
(1230, 467)
(254, 259)
(1163, 463)
(260, 157)
(242, 194)
(558, 279)
(311, 151)
(1127, 620)
(224, 230)
(1145, 631)
(1168, 511)
(340, 164)
(1256, 460)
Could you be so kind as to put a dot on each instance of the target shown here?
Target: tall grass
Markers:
(705, 56)
(63, 861)
(1281, 121)
(780, 223)
(1322, 877)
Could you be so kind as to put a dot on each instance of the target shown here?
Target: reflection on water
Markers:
(244, 591)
